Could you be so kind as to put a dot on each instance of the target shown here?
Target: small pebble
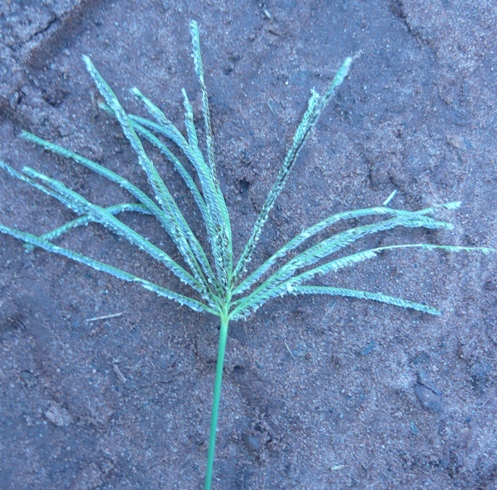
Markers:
(58, 415)
(428, 394)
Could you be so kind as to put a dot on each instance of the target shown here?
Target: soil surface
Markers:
(105, 386)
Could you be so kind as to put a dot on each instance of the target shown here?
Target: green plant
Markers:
(221, 285)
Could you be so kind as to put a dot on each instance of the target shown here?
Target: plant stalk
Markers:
(223, 335)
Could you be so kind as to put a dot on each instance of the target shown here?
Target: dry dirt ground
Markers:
(318, 394)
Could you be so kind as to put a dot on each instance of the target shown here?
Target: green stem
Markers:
(223, 335)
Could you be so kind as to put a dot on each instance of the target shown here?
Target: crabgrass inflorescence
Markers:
(219, 284)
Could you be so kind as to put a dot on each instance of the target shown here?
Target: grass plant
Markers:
(219, 284)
